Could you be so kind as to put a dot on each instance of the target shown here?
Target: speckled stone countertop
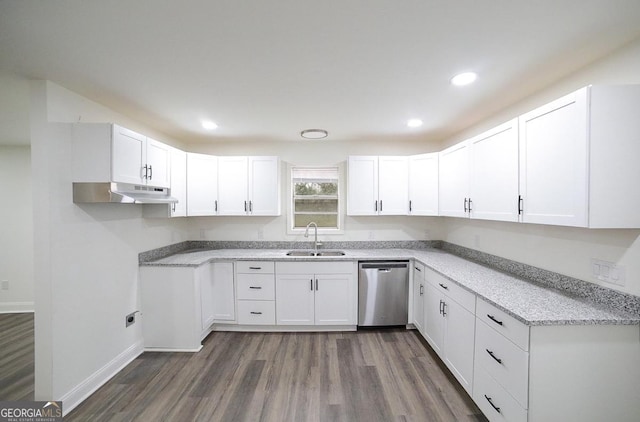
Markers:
(528, 302)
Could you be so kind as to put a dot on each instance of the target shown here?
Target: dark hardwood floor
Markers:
(369, 375)
(16, 357)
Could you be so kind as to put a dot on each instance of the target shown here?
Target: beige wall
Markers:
(561, 249)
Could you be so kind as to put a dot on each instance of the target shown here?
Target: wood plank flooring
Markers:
(16, 357)
(369, 375)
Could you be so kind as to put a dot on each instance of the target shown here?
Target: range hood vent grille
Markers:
(120, 193)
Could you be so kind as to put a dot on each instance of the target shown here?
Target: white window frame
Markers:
(290, 201)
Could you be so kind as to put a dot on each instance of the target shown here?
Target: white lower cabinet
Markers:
(418, 297)
(450, 325)
(547, 373)
(256, 293)
(180, 304)
(316, 293)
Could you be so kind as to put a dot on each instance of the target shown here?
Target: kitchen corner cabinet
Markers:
(178, 183)
(179, 304)
(106, 152)
(479, 177)
(316, 293)
(418, 297)
(578, 159)
(378, 185)
(450, 325)
(202, 184)
(423, 184)
(248, 186)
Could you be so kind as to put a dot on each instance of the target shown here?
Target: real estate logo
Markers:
(30, 411)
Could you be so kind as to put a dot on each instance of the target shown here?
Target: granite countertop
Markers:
(528, 302)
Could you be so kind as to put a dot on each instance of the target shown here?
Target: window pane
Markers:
(328, 205)
(322, 220)
(315, 188)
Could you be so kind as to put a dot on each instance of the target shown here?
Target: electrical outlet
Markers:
(5, 285)
(608, 272)
(427, 234)
(260, 234)
(372, 236)
(201, 233)
(130, 319)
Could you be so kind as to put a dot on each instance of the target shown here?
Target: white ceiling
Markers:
(267, 69)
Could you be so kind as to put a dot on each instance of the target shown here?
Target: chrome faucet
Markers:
(315, 237)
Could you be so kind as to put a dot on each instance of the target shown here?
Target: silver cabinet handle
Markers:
(443, 286)
(255, 268)
(245, 206)
(381, 205)
(215, 205)
(376, 206)
(256, 313)
(316, 284)
(250, 206)
(421, 289)
(255, 287)
(150, 172)
(311, 284)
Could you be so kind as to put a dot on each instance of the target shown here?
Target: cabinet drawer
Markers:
(496, 404)
(451, 289)
(256, 312)
(503, 360)
(256, 287)
(503, 323)
(315, 267)
(255, 267)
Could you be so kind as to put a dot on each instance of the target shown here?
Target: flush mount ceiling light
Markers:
(314, 133)
(209, 125)
(414, 123)
(463, 79)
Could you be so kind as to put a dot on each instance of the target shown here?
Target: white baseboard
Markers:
(284, 328)
(16, 307)
(83, 390)
(166, 349)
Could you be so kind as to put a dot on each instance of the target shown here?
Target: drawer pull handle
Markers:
(494, 356)
(255, 287)
(418, 269)
(255, 268)
(443, 286)
(256, 313)
(497, 409)
(492, 318)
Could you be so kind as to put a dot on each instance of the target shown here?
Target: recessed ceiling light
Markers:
(314, 133)
(414, 123)
(464, 79)
(209, 125)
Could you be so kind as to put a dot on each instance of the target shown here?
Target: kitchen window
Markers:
(315, 196)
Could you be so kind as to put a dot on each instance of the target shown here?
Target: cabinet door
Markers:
(362, 185)
(393, 185)
(553, 162)
(232, 186)
(434, 322)
(223, 289)
(264, 186)
(207, 297)
(202, 184)
(459, 337)
(158, 164)
(423, 184)
(128, 154)
(493, 189)
(454, 180)
(295, 299)
(334, 299)
(418, 297)
(179, 182)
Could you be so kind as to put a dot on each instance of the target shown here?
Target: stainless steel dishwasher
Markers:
(383, 293)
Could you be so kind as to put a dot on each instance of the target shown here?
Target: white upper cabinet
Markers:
(553, 162)
(578, 159)
(105, 152)
(179, 182)
(423, 184)
(248, 186)
(232, 185)
(378, 185)
(454, 180)
(493, 182)
(202, 184)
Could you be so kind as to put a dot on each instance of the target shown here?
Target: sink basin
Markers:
(312, 253)
(300, 253)
(330, 253)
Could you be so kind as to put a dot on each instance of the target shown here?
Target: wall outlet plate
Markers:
(608, 272)
(130, 319)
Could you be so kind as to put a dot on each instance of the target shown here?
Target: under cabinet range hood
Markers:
(121, 193)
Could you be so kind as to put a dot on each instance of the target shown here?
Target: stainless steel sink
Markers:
(330, 253)
(312, 253)
(301, 253)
